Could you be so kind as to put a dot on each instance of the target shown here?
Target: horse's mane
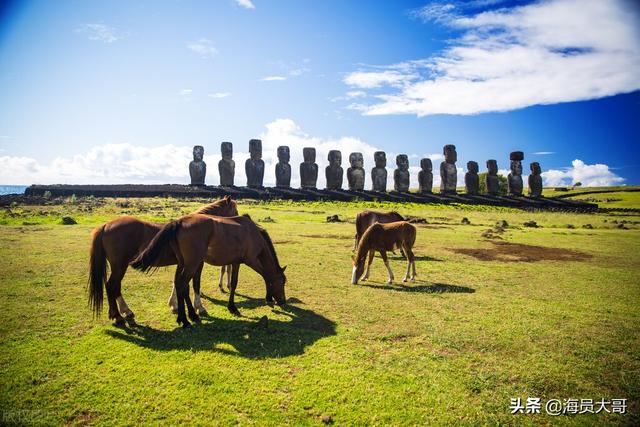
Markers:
(211, 208)
(361, 252)
(272, 250)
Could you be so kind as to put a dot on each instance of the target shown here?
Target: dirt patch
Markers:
(516, 252)
(327, 236)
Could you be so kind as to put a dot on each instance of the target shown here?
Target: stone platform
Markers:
(271, 193)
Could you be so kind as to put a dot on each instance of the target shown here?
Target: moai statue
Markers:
(283, 168)
(535, 180)
(308, 168)
(379, 172)
(448, 170)
(226, 166)
(197, 167)
(254, 166)
(425, 176)
(492, 182)
(334, 171)
(514, 180)
(355, 174)
(401, 174)
(471, 179)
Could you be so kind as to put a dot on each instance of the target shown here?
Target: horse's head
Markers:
(275, 288)
(358, 269)
(229, 206)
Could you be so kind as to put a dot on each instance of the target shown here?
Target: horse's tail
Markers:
(166, 236)
(97, 270)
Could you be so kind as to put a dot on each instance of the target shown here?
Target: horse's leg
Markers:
(229, 267)
(173, 300)
(355, 242)
(232, 289)
(407, 251)
(181, 284)
(383, 254)
(221, 281)
(412, 262)
(197, 302)
(123, 308)
(114, 277)
(366, 273)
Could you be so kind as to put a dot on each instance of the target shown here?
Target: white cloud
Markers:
(104, 164)
(543, 153)
(203, 47)
(597, 175)
(99, 32)
(273, 78)
(247, 4)
(218, 95)
(186, 92)
(543, 53)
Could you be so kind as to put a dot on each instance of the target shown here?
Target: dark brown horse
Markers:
(383, 238)
(194, 239)
(119, 242)
(366, 219)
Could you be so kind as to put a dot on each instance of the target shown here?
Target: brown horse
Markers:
(383, 238)
(119, 242)
(366, 219)
(194, 239)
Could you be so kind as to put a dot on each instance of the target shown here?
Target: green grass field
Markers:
(549, 312)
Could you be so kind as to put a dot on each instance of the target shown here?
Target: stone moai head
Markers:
(283, 154)
(255, 149)
(535, 168)
(492, 167)
(426, 165)
(226, 149)
(450, 154)
(198, 153)
(335, 158)
(402, 162)
(380, 159)
(356, 160)
(516, 158)
(309, 154)
(472, 167)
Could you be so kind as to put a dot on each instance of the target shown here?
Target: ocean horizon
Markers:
(12, 189)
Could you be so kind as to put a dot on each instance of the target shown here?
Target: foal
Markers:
(383, 238)
(366, 219)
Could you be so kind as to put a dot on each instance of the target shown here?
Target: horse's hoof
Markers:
(186, 325)
(233, 310)
(174, 310)
(119, 322)
(203, 312)
(195, 319)
(130, 319)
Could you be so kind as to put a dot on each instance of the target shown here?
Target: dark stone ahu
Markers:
(334, 172)
(308, 168)
(226, 165)
(379, 172)
(425, 176)
(254, 166)
(514, 180)
(492, 182)
(197, 167)
(471, 179)
(401, 174)
(535, 180)
(448, 171)
(355, 174)
(283, 168)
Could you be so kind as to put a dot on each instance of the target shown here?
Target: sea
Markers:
(12, 189)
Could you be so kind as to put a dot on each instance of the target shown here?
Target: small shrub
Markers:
(530, 224)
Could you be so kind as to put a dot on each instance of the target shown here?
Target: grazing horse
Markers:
(119, 242)
(383, 238)
(194, 239)
(366, 219)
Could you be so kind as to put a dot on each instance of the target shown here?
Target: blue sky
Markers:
(119, 91)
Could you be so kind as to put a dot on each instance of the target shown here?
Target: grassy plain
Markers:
(549, 312)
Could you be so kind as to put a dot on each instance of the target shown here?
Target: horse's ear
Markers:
(227, 198)
(284, 268)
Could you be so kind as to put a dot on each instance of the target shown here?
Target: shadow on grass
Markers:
(417, 258)
(240, 336)
(435, 288)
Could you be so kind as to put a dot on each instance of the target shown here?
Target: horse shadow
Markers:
(434, 288)
(250, 338)
(416, 258)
